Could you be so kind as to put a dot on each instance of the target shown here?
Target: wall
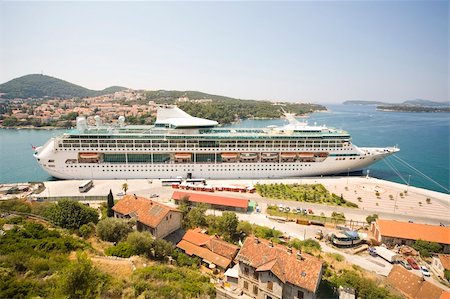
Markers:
(169, 224)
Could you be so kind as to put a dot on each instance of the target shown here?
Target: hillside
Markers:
(226, 110)
(40, 86)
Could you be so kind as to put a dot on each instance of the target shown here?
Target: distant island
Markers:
(36, 101)
(417, 105)
(411, 108)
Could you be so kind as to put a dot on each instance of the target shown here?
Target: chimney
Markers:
(256, 241)
(299, 255)
(135, 197)
(289, 249)
(270, 244)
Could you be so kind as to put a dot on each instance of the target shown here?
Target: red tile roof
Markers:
(145, 210)
(208, 247)
(412, 285)
(305, 273)
(445, 260)
(414, 231)
(212, 199)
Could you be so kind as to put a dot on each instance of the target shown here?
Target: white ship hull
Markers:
(244, 170)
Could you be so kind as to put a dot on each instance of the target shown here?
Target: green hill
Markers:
(40, 86)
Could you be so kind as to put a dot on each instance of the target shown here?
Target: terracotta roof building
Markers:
(413, 286)
(268, 270)
(440, 263)
(210, 248)
(158, 219)
(213, 201)
(405, 233)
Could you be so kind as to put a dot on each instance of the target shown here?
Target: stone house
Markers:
(158, 219)
(273, 271)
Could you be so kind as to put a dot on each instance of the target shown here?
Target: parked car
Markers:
(372, 251)
(425, 271)
(299, 210)
(310, 211)
(287, 209)
(413, 264)
(120, 194)
(154, 195)
(405, 264)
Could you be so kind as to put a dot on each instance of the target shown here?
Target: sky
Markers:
(322, 52)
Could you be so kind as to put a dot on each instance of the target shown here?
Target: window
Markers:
(246, 285)
(255, 275)
(246, 271)
(300, 294)
(270, 285)
(255, 290)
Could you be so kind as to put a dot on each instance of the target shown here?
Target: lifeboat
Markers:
(248, 156)
(229, 157)
(89, 155)
(288, 157)
(269, 156)
(183, 157)
(306, 155)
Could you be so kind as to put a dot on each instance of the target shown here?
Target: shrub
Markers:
(15, 205)
(71, 214)
(122, 249)
(142, 242)
(428, 200)
(87, 230)
(337, 257)
(371, 218)
(113, 229)
(81, 280)
(425, 247)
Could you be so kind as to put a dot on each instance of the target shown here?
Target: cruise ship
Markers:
(180, 145)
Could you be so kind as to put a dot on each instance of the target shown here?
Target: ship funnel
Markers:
(81, 124)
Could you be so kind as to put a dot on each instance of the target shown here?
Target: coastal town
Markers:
(383, 238)
(63, 112)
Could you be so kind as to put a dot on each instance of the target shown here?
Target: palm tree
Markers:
(125, 187)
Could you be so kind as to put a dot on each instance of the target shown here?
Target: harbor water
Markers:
(423, 139)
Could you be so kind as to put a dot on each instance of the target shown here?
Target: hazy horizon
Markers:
(321, 52)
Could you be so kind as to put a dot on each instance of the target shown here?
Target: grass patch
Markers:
(313, 193)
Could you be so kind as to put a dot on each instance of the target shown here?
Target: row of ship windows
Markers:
(199, 149)
(117, 166)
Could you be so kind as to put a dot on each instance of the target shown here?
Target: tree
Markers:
(195, 217)
(425, 247)
(81, 280)
(123, 249)
(161, 249)
(244, 228)
(227, 225)
(110, 212)
(113, 229)
(125, 187)
(71, 214)
(371, 218)
(142, 242)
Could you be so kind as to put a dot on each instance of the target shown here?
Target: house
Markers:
(158, 219)
(413, 286)
(213, 201)
(269, 271)
(440, 263)
(392, 232)
(212, 250)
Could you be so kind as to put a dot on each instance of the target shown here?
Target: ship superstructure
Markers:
(179, 145)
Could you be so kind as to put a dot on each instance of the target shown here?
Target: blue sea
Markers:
(423, 139)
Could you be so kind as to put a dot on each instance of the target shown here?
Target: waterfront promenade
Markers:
(394, 201)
